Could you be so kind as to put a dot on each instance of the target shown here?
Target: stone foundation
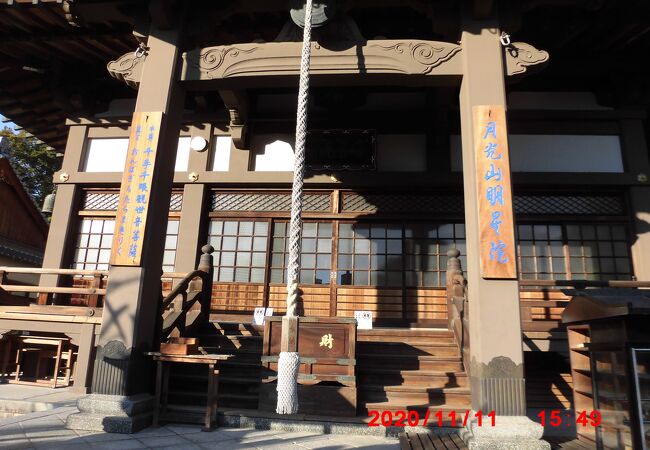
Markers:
(112, 413)
(510, 433)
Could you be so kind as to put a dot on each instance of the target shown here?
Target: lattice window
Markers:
(240, 250)
(569, 204)
(453, 204)
(573, 251)
(238, 201)
(425, 252)
(396, 255)
(93, 249)
(372, 203)
(108, 201)
(171, 243)
(176, 202)
(315, 257)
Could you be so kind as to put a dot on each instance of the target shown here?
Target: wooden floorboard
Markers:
(431, 441)
(567, 443)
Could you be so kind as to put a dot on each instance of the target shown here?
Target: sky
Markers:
(7, 124)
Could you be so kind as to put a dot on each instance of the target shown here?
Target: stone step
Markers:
(107, 423)
(116, 405)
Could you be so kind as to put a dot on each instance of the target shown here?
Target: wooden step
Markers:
(411, 362)
(406, 332)
(414, 395)
(425, 378)
(383, 349)
(236, 328)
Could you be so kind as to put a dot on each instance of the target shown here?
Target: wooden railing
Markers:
(187, 306)
(458, 318)
(92, 293)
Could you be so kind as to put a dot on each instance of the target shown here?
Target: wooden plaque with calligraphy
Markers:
(496, 228)
(135, 189)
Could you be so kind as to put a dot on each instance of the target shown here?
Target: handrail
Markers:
(51, 290)
(41, 271)
(181, 287)
(195, 298)
(586, 283)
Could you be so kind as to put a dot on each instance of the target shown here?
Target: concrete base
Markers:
(112, 413)
(509, 433)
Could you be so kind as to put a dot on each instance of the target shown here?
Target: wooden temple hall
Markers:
(470, 167)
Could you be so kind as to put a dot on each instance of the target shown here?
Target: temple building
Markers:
(470, 167)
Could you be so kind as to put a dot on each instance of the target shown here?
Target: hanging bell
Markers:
(48, 203)
(321, 12)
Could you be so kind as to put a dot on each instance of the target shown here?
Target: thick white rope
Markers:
(289, 362)
(295, 226)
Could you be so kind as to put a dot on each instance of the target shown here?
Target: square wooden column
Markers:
(63, 222)
(131, 306)
(496, 365)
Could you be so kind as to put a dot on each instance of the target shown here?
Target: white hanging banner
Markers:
(364, 320)
(260, 313)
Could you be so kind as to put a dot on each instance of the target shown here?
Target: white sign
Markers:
(260, 313)
(364, 320)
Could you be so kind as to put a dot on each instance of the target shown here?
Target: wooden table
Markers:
(35, 344)
(164, 362)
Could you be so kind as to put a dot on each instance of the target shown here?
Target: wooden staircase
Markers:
(411, 370)
(239, 377)
(397, 370)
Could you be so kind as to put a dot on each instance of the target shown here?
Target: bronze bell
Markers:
(48, 203)
(322, 12)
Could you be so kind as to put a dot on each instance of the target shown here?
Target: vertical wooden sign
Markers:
(135, 189)
(496, 228)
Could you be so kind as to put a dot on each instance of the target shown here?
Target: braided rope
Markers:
(289, 362)
(295, 226)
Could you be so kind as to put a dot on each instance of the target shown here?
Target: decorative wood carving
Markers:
(237, 104)
(127, 68)
(519, 56)
(407, 57)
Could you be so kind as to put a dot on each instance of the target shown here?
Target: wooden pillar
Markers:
(191, 233)
(131, 305)
(63, 223)
(84, 359)
(640, 239)
(496, 361)
(635, 150)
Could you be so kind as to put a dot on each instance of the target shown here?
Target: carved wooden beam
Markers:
(277, 59)
(520, 56)
(127, 68)
(396, 57)
(237, 104)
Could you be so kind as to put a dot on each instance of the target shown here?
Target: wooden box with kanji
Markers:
(326, 379)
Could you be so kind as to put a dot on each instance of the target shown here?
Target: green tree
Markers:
(34, 162)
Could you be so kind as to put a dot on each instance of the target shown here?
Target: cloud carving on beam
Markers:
(520, 56)
(406, 57)
(127, 68)
(427, 54)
